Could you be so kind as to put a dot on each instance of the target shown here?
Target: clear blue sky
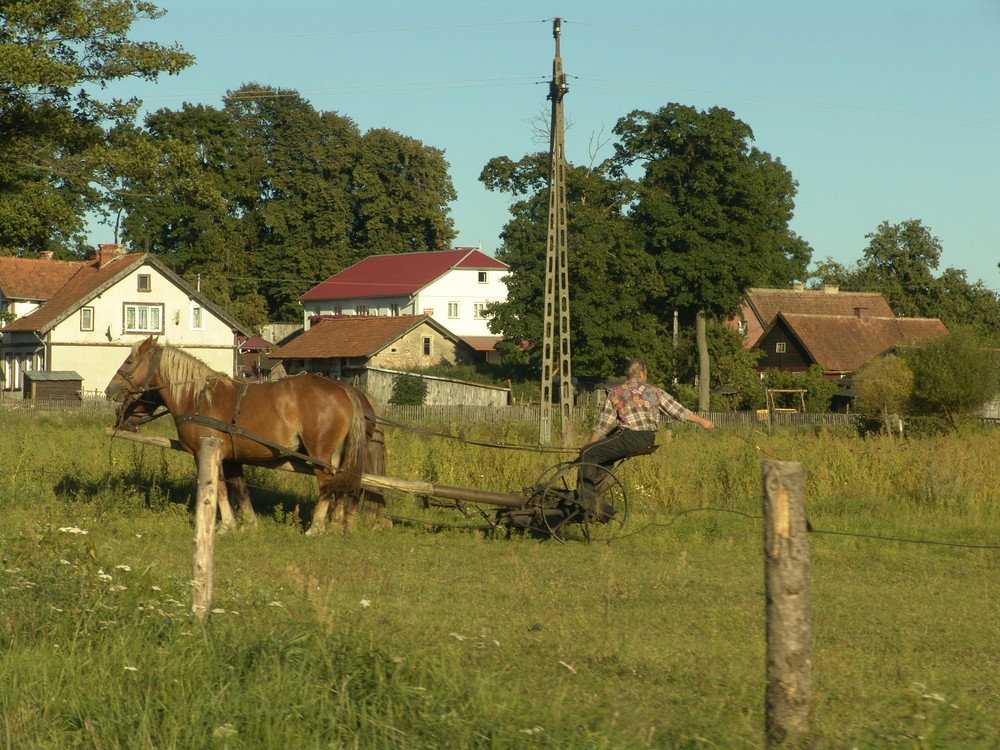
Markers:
(883, 110)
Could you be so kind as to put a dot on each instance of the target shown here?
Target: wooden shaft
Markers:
(204, 526)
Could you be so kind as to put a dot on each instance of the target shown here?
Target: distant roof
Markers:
(355, 336)
(35, 279)
(52, 375)
(843, 343)
(766, 303)
(482, 343)
(398, 275)
(253, 343)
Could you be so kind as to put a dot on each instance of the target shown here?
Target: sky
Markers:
(883, 110)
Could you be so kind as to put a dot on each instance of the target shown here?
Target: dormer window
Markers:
(145, 283)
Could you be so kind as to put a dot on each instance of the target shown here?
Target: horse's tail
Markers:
(352, 461)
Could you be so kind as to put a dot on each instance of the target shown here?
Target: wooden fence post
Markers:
(786, 584)
(206, 504)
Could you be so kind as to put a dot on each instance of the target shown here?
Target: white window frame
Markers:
(197, 317)
(145, 318)
(86, 319)
(779, 347)
(479, 311)
(452, 309)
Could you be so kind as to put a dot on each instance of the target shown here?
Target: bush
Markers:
(408, 390)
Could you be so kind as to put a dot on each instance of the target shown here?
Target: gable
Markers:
(842, 343)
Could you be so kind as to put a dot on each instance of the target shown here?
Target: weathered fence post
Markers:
(786, 585)
(204, 526)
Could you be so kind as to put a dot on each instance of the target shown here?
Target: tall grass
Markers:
(428, 636)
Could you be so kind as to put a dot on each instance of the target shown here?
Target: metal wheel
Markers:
(557, 498)
(607, 519)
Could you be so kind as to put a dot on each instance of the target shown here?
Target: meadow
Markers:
(439, 633)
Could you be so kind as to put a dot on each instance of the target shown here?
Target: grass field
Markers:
(448, 637)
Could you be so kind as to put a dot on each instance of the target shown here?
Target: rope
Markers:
(503, 446)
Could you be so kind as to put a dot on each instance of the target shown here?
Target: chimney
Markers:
(831, 289)
(45, 254)
(104, 254)
(861, 313)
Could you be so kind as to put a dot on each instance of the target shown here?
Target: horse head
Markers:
(134, 376)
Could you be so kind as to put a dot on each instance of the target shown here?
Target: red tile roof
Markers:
(482, 343)
(406, 273)
(90, 276)
(35, 279)
(359, 336)
(843, 343)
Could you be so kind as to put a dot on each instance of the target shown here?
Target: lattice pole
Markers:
(555, 343)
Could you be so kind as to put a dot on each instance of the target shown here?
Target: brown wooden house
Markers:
(839, 343)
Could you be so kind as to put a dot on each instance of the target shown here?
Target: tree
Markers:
(883, 388)
(712, 210)
(612, 319)
(267, 196)
(54, 148)
(900, 262)
(952, 376)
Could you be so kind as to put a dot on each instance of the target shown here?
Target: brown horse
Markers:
(307, 422)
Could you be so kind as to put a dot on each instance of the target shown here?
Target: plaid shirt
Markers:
(636, 405)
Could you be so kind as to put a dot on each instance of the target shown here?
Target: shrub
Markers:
(408, 390)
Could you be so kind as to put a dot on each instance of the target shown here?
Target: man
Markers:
(633, 411)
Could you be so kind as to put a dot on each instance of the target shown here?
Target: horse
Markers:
(307, 422)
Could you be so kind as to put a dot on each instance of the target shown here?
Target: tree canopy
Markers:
(55, 59)
(267, 196)
(706, 218)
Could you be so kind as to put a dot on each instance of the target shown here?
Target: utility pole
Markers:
(555, 343)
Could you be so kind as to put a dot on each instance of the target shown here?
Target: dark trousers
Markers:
(605, 452)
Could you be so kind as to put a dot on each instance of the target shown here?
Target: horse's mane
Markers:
(188, 376)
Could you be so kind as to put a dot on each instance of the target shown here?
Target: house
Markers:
(28, 283)
(839, 343)
(451, 286)
(106, 305)
(251, 353)
(338, 346)
(761, 305)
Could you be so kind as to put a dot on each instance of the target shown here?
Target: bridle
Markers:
(133, 392)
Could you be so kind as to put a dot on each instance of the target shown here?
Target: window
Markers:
(394, 309)
(338, 310)
(361, 310)
(145, 282)
(144, 318)
(86, 319)
(479, 311)
(779, 348)
(197, 317)
(427, 346)
(452, 309)
(482, 277)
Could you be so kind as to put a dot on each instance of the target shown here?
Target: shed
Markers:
(57, 384)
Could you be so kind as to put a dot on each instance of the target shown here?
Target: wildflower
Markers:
(72, 530)
(225, 730)
(457, 636)
(129, 668)
(126, 568)
(275, 604)
(103, 576)
(365, 603)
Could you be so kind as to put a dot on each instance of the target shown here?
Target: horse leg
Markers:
(227, 521)
(235, 480)
(318, 524)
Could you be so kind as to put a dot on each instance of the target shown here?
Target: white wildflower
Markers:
(225, 730)
(103, 576)
(365, 603)
(457, 636)
(126, 568)
(275, 604)
(219, 611)
(129, 668)
(532, 730)
(72, 530)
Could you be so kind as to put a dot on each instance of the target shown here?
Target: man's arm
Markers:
(708, 424)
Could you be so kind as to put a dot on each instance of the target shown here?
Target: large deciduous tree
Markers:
(268, 196)
(611, 275)
(712, 211)
(55, 58)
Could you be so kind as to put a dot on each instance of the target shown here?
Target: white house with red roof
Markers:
(451, 286)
